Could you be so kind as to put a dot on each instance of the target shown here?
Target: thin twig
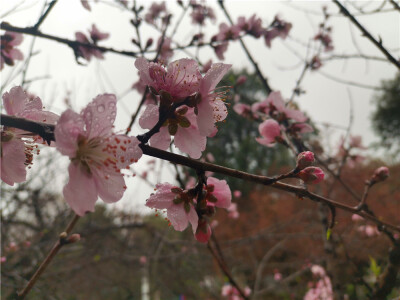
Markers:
(73, 44)
(57, 246)
(366, 33)
(226, 271)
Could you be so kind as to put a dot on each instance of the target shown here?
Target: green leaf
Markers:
(97, 257)
(374, 266)
(328, 234)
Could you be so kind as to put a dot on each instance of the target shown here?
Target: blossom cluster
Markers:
(200, 106)
(192, 205)
(251, 26)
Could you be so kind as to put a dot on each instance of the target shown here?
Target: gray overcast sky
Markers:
(325, 100)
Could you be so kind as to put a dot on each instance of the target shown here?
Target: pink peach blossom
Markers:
(279, 28)
(3, 259)
(8, 51)
(228, 32)
(155, 11)
(17, 145)
(200, 13)
(97, 35)
(86, 51)
(218, 193)
(326, 40)
(178, 203)
(187, 136)
(252, 26)
(270, 132)
(181, 78)
(97, 154)
(220, 49)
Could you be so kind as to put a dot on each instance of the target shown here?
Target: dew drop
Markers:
(100, 108)
(111, 105)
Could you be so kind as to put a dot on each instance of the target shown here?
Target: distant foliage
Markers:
(386, 118)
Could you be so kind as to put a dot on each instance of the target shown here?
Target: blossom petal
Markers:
(221, 191)
(213, 77)
(149, 117)
(163, 198)
(69, 127)
(178, 216)
(80, 191)
(12, 162)
(110, 187)
(99, 115)
(161, 140)
(190, 141)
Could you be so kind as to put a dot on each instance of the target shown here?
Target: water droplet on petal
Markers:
(111, 105)
(100, 108)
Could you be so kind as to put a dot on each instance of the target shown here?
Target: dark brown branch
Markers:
(366, 33)
(204, 166)
(73, 44)
(43, 17)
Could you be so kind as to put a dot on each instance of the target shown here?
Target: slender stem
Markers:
(366, 33)
(225, 270)
(43, 17)
(57, 246)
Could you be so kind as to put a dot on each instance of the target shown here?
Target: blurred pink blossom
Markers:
(8, 53)
(270, 132)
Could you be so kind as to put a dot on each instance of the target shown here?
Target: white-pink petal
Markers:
(12, 162)
(80, 191)
(99, 115)
(149, 117)
(221, 191)
(69, 127)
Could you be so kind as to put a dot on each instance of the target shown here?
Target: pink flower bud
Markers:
(312, 175)
(143, 259)
(74, 238)
(242, 79)
(380, 174)
(304, 160)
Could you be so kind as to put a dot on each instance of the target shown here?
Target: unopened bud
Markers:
(312, 175)
(380, 174)
(304, 160)
(242, 79)
(63, 235)
(74, 238)
(149, 43)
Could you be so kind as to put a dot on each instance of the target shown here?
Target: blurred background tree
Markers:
(386, 117)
